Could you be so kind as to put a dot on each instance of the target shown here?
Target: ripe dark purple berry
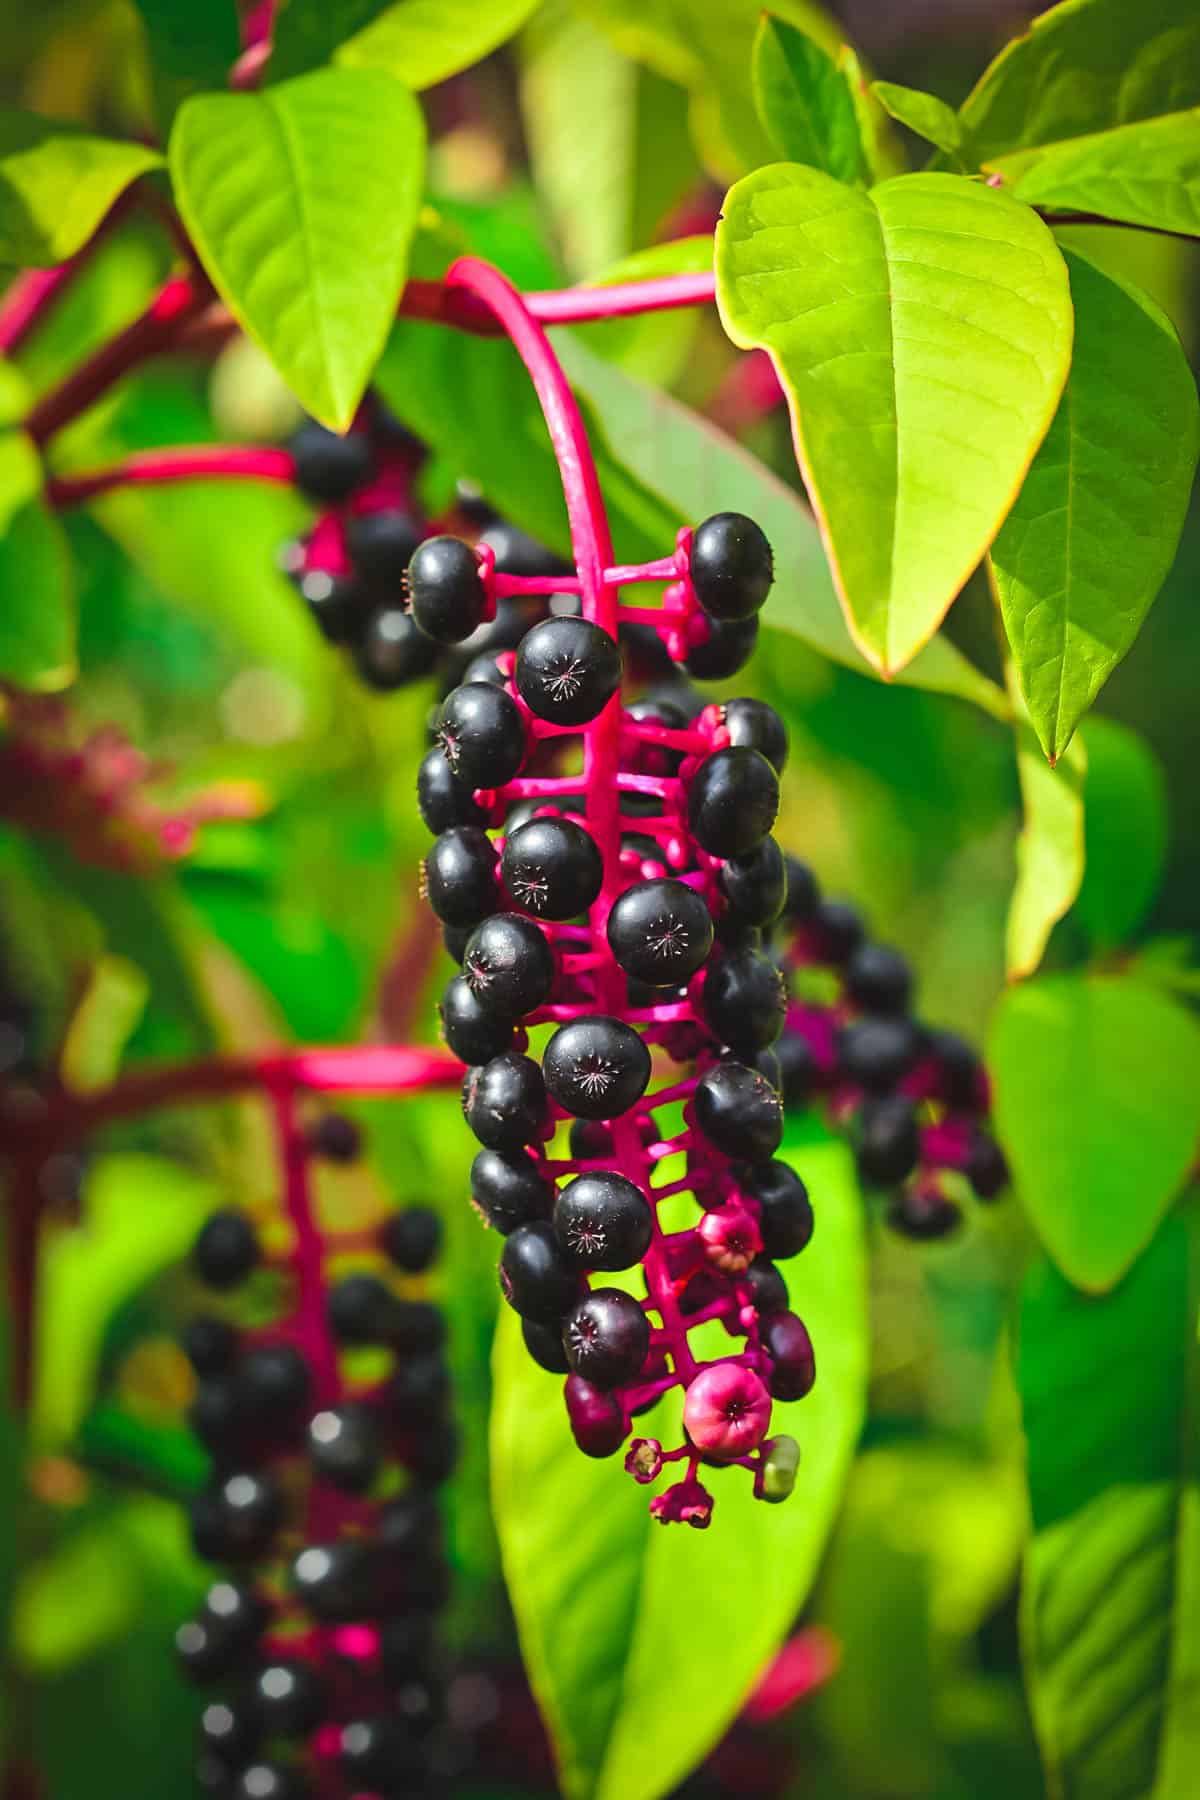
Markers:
(755, 885)
(330, 467)
(445, 589)
(229, 1732)
(732, 801)
(226, 1630)
(596, 1067)
(727, 647)
(338, 605)
(802, 897)
(519, 554)
(274, 1381)
(509, 965)
(418, 1390)
(876, 1053)
(474, 1034)
(767, 1285)
(552, 868)
(544, 1343)
(754, 725)
(660, 931)
(411, 1238)
(567, 670)
(226, 1249)
(799, 1068)
(745, 1001)
(923, 1214)
(482, 734)
(504, 1102)
(344, 1446)
(460, 875)
(360, 1309)
(270, 1781)
(731, 566)
(380, 1755)
(380, 545)
(739, 1111)
(289, 1698)
(535, 1277)
(606, 1336)
(838, 929)
(391, 652)
(786, 1216)
(786, 1341)
(236, 1521)
(336, 1138)
(597, 1422)
(442, 799)
(879, 980)
(986, 1168)
(210, 1345)
(889, 1141)
(603, 1221)
(337, 1582)
(510, 1190)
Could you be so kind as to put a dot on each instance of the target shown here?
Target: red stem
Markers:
(30, 295)
(308, 1314)
(210, 462)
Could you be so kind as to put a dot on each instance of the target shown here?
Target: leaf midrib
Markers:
(279, 119)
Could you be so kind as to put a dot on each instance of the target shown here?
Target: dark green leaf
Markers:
(37, 598)
(804, 102)
(307, 32)
(56, 184)
(1097, 1102)
(926, 115)
(1125, 832)
(635, 1680)
(1109, 1607)
(1144, 174)
(922, 333)
(190, 46)
(262, 181)
(424, 41)
(1094, 530)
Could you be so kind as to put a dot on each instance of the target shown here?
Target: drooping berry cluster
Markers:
(329, 1431)
(352, 566)
(618, 906)
(914, 1097)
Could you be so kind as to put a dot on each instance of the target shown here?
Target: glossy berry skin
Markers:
(567, 670)
(344, 1447)
(442, 799)
(504, 1102)
(509, 965)
(208, 1650)
(756, 885)
(596, 1067)
(876, 1053)
(802, 896)
(445, 590)
(799, 1070)
(888, 1141)
(210, 1345)
(380, 1755)
(879, 980)
(923, 1215)
(727, 648)
(986, 1168)
(336, 1138)
(785, 1211)
(289, 1698)
(226, 1250)
(839, 931)
(329, 467)
(732, 801)
(460, 875)
(336, 1582)
(745, 1001)
(726, 1410)
(544, 1343)
(274, 1381)
(597, 1422)
(660, 931)
(552, 868)
(754, 725)
(338, 605)
(510, 1190)
(730, 565)
(380, 545)
(484, 667)
(360, 1309)
(482, 734)
(270, 1781)
(391, 652)
(606, 1336)
(739, 1111)
(786, 1341)
(474, 1034)
(535, 1277)
(418, 1391)
(415, 1325)
(767, 1285)
(603, 1221)
(238, 1520)
(412, 1238)
(229, 1732)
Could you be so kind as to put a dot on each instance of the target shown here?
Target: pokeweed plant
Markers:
(967, 381)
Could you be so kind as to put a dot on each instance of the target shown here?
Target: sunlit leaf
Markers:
(107, 1014)
(804, 102)
(1144, 174)
(424, 41)
(56, 184)
(1125, 832)
(1050, 848)
(923, 113)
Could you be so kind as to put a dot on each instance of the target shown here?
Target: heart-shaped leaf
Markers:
(922, 333)
(642, 1641)
(1097, 1102)
(804, 102)
(1095, 527)
(56, 184)
(301, 202)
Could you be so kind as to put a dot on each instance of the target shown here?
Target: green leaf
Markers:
(1095, 527)
(922, 333)
(1050, 847)
(1144, 174)
(1096, 1097)
(306, 33)
(804, 102)
(654, 347)
(56, 184)
(37, 598)
(635, 1681)
(1125, 831)
(1084, 66)
(262, 181)
(924, 114)
(191, 47)
(881, 146)
(1109, 1625)
(698, 470)
(424, 41)
(106, 1017)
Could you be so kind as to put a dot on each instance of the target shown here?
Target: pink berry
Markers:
(731, 1237)
(727, 1410)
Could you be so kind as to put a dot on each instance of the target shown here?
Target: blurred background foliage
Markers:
(556, 158)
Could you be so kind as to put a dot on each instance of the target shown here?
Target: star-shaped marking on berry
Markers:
(586, 1239)
(477, 972)
(451, 748)
(667, 937)
(531, 890)
(595, 1075)
(564, 681)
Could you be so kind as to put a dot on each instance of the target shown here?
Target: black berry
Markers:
(786, 1341)
(344, 1445)
(731, 566)
(443, 800)
(380, 545)
(727, 647)
(289, 1698)
(226, 1249)
(732, 801)
(412, 1238)
(519, 554)
(739, 1111)
(879, 980)
(535, 1277)
(472, 1032)
(330, 467)
(876, 1053)
(339, 605)
(237, 1521)
(607, 1338)
(445, 589)
(753, 725)
(923, 1214)
(838, 928)
(567, 670)
(552, 868)
(597, 1068)
(986, 1168)
(504, 1102)
(544, 1343)
(460, 875)
(510, 1190)
(509, 965)
(786, 1217)
(755, 885)
(603, 1221)
(745, 1001)
(889, 1141)
(482, 734)
(660, 931)
(391, 652)
(210, 1345)
(597, 1421)
(336, 1138)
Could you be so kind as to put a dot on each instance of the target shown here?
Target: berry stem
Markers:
(211, 462)
(308, 1316)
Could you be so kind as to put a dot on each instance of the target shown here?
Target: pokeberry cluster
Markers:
(915, 1098)
(328, 1436)
(615, 917)
(351, 567)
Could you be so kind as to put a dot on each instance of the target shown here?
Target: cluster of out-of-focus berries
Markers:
(329, 1430)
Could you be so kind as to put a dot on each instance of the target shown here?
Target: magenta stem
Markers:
(308, 1314)
(207, 462)
(29, 297)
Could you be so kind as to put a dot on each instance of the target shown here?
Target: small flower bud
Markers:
(644, 1460)
(686, 1503)
(776, 1475)
(731, 1237)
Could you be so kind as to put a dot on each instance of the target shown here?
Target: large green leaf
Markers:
(424, 41)
(37, 595)
(1125, 833)
(1084, 66)
(643, 1641)
(804, 102)
(1050, 847)
(1097, 1102)
(922, 333)
(1109, 1609)
(56, 184)
(1143, 174)
(1095, 527)
(301, 202)
(699, 470)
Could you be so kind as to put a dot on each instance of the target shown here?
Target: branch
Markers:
(154, 468)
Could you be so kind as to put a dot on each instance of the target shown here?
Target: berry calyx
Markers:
(596, 1068)
(660, 931)
(567, 670)
(603, 1221)
(552, 868)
